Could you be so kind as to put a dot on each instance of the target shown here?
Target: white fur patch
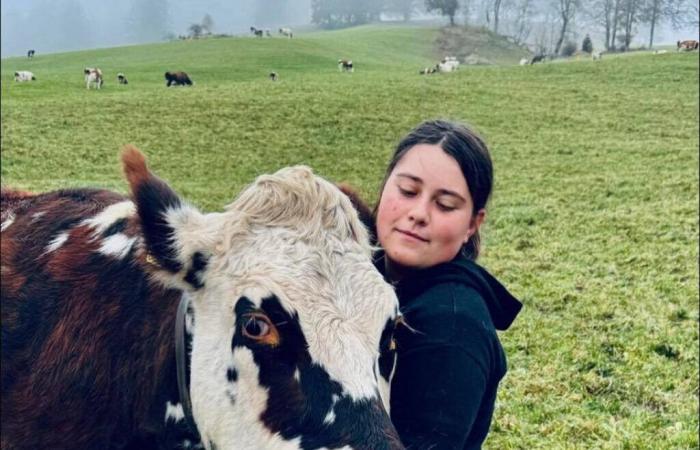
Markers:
(105, 218)
(174, 412)
(37, 216)
(117, 245)
(57, 242)
(7, 222)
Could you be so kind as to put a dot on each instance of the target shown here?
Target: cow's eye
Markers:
(256, 327)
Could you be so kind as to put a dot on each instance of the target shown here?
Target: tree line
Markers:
(545, 24)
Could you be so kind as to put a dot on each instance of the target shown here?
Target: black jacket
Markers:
(448, 369)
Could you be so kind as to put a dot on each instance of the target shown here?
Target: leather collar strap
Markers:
(181, 362)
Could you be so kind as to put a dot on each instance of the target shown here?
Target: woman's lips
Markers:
(412, 235)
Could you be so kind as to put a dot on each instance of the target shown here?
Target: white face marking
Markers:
(238, 425)
(174, 412)
(37, 216)
(330, 417)
(57, 242)
(109, 215)
(7, 222)
(117, 245)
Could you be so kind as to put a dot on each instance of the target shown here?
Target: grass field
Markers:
(593, 223)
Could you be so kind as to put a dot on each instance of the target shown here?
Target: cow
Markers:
(30, 53)
(177, 79)
(524, 61)
(93, 75)
(687, 45)
(24, 75)
(345, 65)
(140, 322)
(428, 70)
(121, 78)
(273, 76)
(286, 32)
(597, 56)
(538, 58)
(256, 32)
(448, 64)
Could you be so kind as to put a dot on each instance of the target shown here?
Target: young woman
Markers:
(449, 358)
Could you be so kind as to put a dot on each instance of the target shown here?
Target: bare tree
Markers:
(682, 13)
(522, 22)
(404, 8)
(207, 24)
(630, 16)
(566, 10)
(446, 7)
(496, 14)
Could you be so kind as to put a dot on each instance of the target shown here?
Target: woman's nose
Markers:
(419, 212)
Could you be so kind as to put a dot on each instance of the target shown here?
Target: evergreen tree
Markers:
(587, 44)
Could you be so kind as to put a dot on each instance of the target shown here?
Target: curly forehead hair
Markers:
(468, 149)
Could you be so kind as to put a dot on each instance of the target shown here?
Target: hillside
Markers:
(593, 222)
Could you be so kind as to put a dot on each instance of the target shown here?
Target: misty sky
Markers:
(62, 25)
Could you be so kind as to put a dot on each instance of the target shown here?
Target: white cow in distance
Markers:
(448, 64)
(93, 75)
(24, 75)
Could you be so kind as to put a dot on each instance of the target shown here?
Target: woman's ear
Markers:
(475, 223)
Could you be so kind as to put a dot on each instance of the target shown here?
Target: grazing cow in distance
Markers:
(93, 75)
(286, 32)
(524, 61)
(177, 79)
(538, 58)
(30, 54)
(24, 75)
(273, 76)
(687, 45)
(428, 70)
(448, 64)
(282, 338)
(256, 32)
(597, 56)
(121, 78)
(345, 65)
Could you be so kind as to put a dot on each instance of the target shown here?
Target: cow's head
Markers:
(290, 316)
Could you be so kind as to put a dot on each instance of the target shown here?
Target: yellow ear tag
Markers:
(150, 259)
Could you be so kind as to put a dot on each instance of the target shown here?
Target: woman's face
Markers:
(425, 212)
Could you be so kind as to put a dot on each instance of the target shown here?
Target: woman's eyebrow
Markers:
(409, 176)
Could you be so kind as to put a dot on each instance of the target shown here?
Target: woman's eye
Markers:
(446, 207)
(256, 328)
(407, 192)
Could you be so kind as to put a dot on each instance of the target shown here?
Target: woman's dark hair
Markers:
(470, 152)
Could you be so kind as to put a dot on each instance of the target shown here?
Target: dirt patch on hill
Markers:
(480, 44)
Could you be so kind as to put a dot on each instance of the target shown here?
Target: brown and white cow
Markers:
(290, 323)
(687, 45)
(93, 76)
(177, 79)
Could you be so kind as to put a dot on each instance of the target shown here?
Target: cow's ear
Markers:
(176, 235)
(363, 210)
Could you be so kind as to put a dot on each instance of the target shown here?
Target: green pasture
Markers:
(593, 222)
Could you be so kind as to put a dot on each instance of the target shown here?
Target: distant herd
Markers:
(94, 77)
